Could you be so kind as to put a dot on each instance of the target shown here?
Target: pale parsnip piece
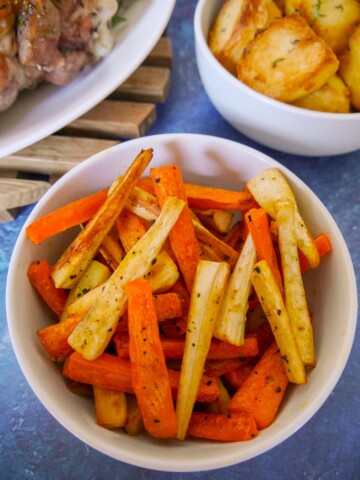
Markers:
(287, 60)
(257, 15)
(295, 297)
(219, 248)
(111, 250)
(273, 305)
(94, 275)
(69, 268)
(161, 276)
(143, 204)
(230, 325)
(333, 97)
(134, 423)
(92, 335)
(220, 404)
(333, 20)
(268, 188)
(216, 219)
(209, 286)
(349, 69)
(110, 408)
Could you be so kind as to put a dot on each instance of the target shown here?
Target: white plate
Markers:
(42, 112)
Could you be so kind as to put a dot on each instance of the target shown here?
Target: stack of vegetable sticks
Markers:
(178, 317)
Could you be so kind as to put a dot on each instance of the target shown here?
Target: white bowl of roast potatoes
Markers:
(286, 73)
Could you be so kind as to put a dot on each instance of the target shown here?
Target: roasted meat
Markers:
(50, 41)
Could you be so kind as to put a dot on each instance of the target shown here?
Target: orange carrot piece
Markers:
(168, 182)
(70, 215)
(130, 228)
(237, 376)
(223, 427)
(203, 197)
(323, 245)
(114, 373)
(264, 336)
(263, 389)
(211, 197)
(54, 337)
(150, 378)
(39, 274)
(146, 184)
(173, 348)
(216, 368)
(258, 225)
(234, 235)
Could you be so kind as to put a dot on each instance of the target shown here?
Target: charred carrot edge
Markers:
(114, 373)
(70, 215)
(150, 378)
(223, 427)
(258, 225)
(203, 197)
(263, 389)
(323, 245)
(39, 274)
(173, 348)
(168, 182)
(54, 337)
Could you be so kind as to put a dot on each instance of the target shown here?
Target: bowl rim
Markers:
(228, 77)
(168, 464)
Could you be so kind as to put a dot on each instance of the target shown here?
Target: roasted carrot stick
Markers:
(237, 376)
(216, 368)
(54, 337)
(203, 197)
(114, 373)
(39, 274)
(168, 182)
(173, 348)
(323, 244)
(258, 225)
(263, 389)
(68, 216)
(223, 427)
(130, 228)
(150, 378)
(210, 197)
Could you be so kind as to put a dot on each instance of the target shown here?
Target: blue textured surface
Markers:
(34, 445)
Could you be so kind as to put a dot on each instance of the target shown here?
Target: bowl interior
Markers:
(210, 161)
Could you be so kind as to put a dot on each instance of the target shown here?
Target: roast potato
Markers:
(349, 69)
(287, 60)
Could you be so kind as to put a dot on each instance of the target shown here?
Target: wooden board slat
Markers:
(147, 84)
(127, 113)
(161, 54)
(55, 154)
(115, 119)
(16, 192)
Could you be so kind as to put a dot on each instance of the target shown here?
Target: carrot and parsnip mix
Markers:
(180, 308)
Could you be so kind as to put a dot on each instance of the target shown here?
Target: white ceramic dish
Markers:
(331, 290)
(275, 124)
(45, 110)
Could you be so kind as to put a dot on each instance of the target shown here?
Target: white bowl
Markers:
(41, 112)
(269, 122)
(213, 161)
